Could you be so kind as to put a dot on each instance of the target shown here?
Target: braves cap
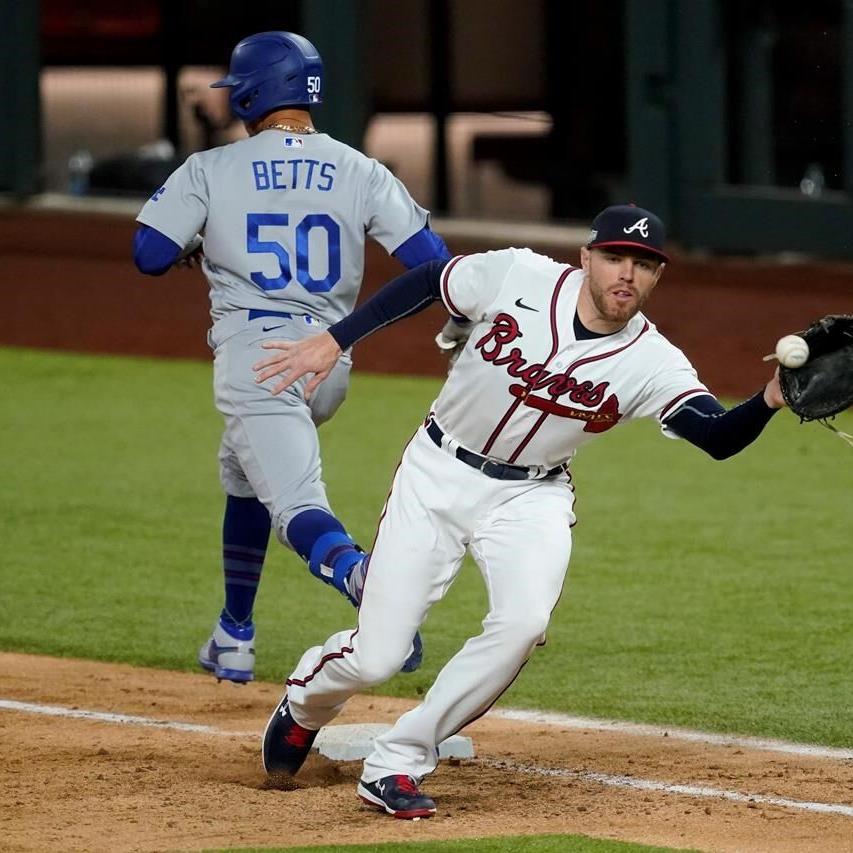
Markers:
(630, 226)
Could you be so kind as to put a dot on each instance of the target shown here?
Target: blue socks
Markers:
(316, 535)
(321, 540)
(245, 535)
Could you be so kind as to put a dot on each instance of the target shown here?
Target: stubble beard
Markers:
(615, 313)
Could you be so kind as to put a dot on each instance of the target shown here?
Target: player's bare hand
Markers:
(773, 393)
(192, 254)
(292, 360)
(191, 261)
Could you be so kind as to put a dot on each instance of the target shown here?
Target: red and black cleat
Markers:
(286, 743)
(398, 796)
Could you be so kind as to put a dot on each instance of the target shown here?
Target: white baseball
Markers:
(792, 351)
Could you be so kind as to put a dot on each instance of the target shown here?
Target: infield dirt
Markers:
(79, 784)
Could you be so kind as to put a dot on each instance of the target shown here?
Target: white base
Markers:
(350, 743)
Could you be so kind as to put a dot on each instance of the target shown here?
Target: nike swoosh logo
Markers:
(270, 328)
(520, 304)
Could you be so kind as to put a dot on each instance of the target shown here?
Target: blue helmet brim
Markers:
(227, 81)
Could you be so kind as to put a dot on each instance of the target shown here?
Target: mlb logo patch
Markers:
(293, 142)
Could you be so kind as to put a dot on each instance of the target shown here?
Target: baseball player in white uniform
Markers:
(284, 214)
(557, 356)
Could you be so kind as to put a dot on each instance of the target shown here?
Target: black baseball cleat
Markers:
(398, 796)
(286, 743)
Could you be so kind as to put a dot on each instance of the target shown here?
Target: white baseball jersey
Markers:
(525, 390)
(284, 219)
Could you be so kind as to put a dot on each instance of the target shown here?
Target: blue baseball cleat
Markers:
(415, 659)
(230, 657)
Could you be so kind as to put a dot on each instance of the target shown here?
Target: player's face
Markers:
(619, 282)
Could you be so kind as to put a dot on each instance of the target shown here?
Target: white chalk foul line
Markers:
(100, 716)
(674, 732)
(583, 775)
(666, 787)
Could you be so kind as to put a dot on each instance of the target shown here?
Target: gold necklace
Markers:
(290, 128)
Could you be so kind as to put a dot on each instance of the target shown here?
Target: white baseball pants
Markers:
(519, 533)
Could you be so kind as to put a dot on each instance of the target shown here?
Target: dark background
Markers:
(566, 57)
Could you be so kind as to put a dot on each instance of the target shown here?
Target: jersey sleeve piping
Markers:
(669, 408)
(445, 295)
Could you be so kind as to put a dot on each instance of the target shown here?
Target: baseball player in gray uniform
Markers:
(557, 356)
(284, 215)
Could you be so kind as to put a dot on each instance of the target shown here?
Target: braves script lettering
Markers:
(493, 348)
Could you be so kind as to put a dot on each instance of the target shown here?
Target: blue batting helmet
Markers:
(270, 70)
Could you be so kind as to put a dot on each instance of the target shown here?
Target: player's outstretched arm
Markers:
(722, 433)
(294, 359)
(402, 297)
(425, 246)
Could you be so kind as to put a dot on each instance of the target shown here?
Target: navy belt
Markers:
(257, 313)
(491, 468)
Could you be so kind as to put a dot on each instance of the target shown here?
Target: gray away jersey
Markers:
(284, 220)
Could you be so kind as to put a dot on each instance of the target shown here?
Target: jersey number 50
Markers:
(255, 245)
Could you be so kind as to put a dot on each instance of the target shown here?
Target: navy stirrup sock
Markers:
(321, 540)
(245, 535)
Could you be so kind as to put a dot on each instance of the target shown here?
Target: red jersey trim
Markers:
(526, 440)
(582, 361)
(537, 426)
(555, 345)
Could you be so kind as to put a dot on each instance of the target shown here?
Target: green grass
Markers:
(508, 844)
(713, 595)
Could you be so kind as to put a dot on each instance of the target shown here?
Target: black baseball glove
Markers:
(823, 386)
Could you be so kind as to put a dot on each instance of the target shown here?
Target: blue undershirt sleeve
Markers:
(421, 247)
(403, 296)
(720, 433)
(153, 252)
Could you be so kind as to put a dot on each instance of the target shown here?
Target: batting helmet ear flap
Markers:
(270, 70)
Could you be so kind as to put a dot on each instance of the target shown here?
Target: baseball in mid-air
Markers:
(792, 351)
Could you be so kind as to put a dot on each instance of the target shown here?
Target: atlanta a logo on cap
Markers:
(641, 225)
